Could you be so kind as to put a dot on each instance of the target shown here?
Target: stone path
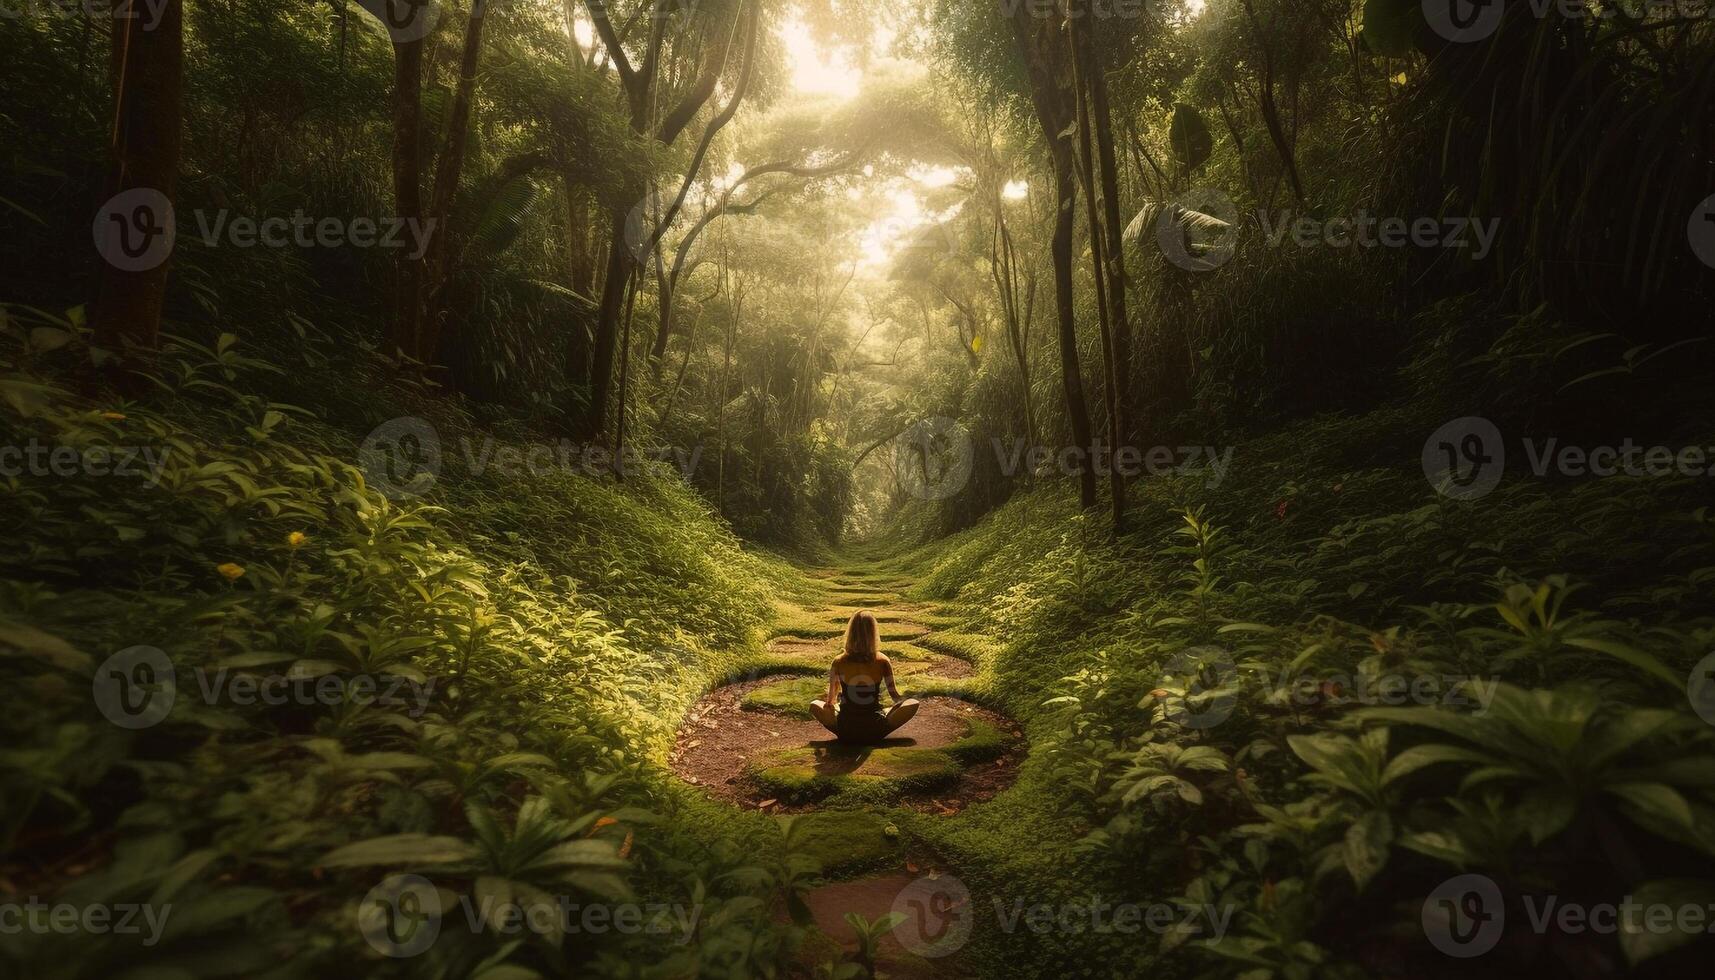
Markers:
(753, 743)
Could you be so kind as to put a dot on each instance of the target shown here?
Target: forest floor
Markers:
(752, 743)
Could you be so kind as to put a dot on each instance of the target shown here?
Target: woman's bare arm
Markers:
(887, 675)
(833, 685)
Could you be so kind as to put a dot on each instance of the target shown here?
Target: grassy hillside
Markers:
(1275, 689)
(472, 686)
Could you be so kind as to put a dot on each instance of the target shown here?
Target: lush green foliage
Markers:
(550, 632)
(1223, 699)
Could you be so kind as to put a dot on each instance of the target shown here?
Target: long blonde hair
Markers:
(863, 637)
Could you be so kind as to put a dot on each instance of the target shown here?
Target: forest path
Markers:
(753, 743)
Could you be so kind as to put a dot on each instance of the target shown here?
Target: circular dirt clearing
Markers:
(949, 756)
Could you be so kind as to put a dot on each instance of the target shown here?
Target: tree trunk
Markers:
(1039, 45)
(614, 285)
(581, 264)
(407, 192)
(1071, 374)
(1107, 246)
(447, 173)
(148, 89)
(639, 84)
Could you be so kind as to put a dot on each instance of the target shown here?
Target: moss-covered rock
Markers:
(844, 841)
(870, 775)
(986, 741)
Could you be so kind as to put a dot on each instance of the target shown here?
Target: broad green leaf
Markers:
(1641, 943)
(402, 850)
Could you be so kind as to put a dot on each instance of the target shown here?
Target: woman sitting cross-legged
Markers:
(854, 684)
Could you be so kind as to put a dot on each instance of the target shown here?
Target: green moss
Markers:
(978, 650)
(984, 742)
(794, 621)
(844, 841)
(750, 668)
(838, 774)
(907, 653)
(789, 697)
(963, 688)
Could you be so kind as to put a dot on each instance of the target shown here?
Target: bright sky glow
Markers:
(901, 218)
(936, 176)
(582, 30)
(1017, 190)
(815, 71)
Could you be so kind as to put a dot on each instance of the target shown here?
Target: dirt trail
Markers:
(753, 743)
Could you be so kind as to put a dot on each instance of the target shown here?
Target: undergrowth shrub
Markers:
(527, 646)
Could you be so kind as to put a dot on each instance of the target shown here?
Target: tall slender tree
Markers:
(640, 85)
(148, 88)
(1040, 44)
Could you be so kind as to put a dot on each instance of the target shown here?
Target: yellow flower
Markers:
(230, 571)
(113, 416)
(295, 540)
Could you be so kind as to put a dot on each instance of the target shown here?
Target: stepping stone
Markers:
(809, 774)
(870, 898)
(898, 767)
